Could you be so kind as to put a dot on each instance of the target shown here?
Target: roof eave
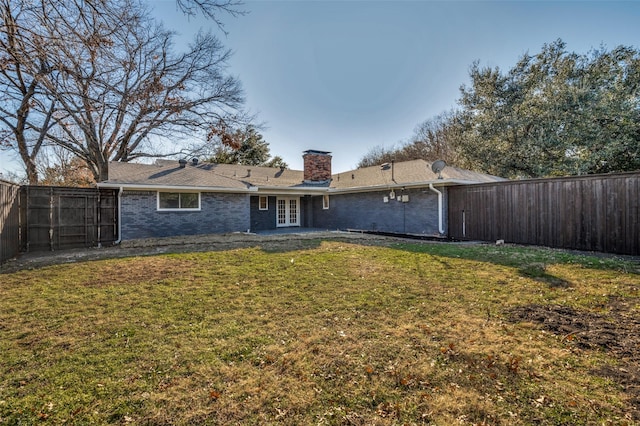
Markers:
(146, 187)
(290, 190)
(280, 190)
(422, 184)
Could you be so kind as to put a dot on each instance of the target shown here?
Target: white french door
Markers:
(287, 212)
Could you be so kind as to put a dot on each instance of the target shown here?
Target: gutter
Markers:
(440, 226)
(386, 186)
(142, 187)
(275, 190)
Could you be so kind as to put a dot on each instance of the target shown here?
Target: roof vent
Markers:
(194, 161)
(248, 172)
(182, 162)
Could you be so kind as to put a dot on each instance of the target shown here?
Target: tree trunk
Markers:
(32, 172)
(28, 160)
(102, 169)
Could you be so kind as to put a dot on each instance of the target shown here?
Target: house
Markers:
(171, 198)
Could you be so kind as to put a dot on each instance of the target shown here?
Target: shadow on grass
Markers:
(530, 262)
(537, 272)
(280, 243)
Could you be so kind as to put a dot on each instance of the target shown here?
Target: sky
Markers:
(349, 76)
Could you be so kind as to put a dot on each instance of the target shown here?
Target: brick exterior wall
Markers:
(317, 166)
(220, 213)
(367, 211)
(262, 220)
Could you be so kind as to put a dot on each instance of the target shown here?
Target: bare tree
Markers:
(118, 87)
(21, 98)
(433, 139)
(211, 9)
(57, 166)
(378, 155)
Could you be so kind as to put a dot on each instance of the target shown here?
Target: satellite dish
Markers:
(438, 166)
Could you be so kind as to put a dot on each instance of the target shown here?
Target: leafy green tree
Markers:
(276, 161)
(555, 113)
(244, 146)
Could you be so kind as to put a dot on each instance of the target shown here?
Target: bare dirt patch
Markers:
(617, 332)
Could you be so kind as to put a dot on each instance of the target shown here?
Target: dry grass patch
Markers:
(336, 333)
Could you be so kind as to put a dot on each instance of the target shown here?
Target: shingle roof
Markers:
(254, 175)
(165, 174)
(405, 173)
(168, 173)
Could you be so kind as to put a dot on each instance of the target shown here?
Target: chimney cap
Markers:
(315, 151)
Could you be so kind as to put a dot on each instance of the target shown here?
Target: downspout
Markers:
(440, 226)
(119, 217)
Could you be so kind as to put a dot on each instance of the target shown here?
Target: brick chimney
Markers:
(317, 166)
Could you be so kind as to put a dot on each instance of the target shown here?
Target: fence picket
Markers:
(595, 212)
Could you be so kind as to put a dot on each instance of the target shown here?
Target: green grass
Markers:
(335, 333)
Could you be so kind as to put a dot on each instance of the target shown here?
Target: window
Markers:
(178, 201)
(325, 202)
(263, 203)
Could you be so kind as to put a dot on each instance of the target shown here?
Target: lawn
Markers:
(329, 333)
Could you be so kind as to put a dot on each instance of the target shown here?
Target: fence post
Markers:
(51, 224)
(99, 218)
(9, 220)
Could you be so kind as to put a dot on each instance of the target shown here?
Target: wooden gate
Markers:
(56, 218)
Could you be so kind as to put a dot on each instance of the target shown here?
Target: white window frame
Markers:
(325, 202)
(179, 209)
(266, 202)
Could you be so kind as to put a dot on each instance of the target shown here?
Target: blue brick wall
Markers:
(220, 213)
(367, 211)
(263, 219)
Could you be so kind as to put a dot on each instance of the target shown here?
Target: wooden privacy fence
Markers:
(595, 213)
(56, 218)
(42, 218)
(9, 220)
